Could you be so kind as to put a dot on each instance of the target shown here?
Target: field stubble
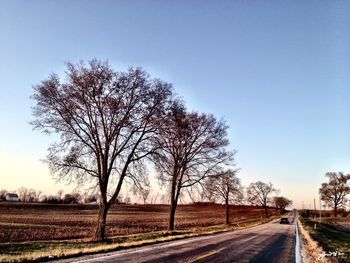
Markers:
(32, 222)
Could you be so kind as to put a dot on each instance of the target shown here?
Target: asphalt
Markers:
(270, 242)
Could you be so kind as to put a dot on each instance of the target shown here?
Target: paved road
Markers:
(271, 242)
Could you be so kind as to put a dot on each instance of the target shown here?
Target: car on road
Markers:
(284, 220)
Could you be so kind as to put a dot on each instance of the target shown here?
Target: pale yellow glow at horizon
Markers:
(24, 170)
(27, 171)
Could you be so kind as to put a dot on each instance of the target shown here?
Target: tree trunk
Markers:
(100, 232)
(175, 191)
(227, 211)
(171, 225)
(335, 211)
(266, 211)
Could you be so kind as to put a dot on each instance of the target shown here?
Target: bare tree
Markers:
(195, 193)
(119, 199)
(207, 193)
(105, 120)
(127, 200)
(23, 194)
(141, 186)
(144, 193)
(192, 147)
(60, 194)
(38, 195)
(258, 193)
(281, 202)
(90, 198)
(227, 187)
(154, 198)
(335, 191)
(29, 195)
(73, 198)
(3, 195)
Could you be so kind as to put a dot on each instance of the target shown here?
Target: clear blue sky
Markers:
(277, 71)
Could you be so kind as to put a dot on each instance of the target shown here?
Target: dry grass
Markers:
(339, 223)
(326, 238)
(34, 251)
(310, 248)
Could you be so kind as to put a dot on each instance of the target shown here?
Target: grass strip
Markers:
(330, 239)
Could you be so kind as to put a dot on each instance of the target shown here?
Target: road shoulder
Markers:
(310, 249)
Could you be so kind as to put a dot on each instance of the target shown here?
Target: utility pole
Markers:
(315, 213)
(315, 208)
(319, 198)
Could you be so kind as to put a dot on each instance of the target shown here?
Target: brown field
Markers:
(33, 222)
(339, 223)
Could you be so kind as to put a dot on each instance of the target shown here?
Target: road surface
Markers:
(271, 242)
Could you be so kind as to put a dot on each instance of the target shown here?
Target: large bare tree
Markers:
(281, 202)
(334, 192)
(259, 193)
(191, 148)
(105, 120)
(227, 187)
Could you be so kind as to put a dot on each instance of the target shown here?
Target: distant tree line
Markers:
(224, 188)
(32, 195)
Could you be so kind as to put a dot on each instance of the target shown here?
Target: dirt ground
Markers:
(30, 222)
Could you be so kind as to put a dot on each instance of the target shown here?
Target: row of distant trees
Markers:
(336, 191)
(225, 187)
(32, 195)
(228, 191)
(112, 126)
